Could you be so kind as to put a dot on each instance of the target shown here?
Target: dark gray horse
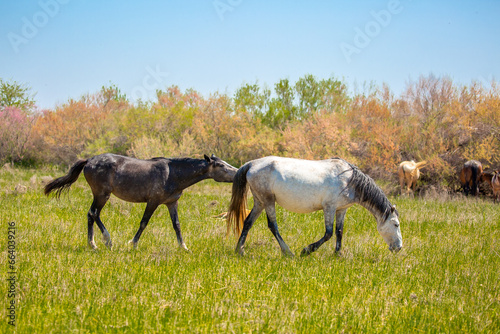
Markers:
(155, 181)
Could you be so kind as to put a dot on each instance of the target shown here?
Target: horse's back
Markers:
(471, 171)
(130, 179)
(115, 165)
(298, 185)
(101, 167)
(474, 165)
(408, 166)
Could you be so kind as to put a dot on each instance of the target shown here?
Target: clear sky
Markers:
(66, 48)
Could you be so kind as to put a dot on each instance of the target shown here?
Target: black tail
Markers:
(474, 171)
(64, 182)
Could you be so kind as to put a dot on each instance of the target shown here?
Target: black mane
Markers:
(188, 161)
(368, 193)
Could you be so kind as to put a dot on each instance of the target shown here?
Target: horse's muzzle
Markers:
(395, 249)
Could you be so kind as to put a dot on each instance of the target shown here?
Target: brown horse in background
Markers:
(469, 177)
(494, 180)
(409, 173)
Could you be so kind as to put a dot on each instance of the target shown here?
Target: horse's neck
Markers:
(373, 210)
(189, 182)
(189, 172)
(370, 196)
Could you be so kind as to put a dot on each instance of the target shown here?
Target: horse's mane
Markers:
(187, 162)
(179, 160)
(367, 191)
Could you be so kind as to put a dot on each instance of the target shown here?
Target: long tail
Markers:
(64, 182)
(238, 208)
(475, 172)
(421, 164)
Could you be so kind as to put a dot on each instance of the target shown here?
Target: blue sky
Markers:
(67, 48)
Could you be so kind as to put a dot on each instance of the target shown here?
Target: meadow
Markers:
(446, 278)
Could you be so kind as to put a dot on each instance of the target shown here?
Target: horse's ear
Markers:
(393, 208)
(207, 158)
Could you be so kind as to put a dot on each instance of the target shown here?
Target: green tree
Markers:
(14, 94)
(309, 94)
(326, 94)
(252, 100)
(281, 108)
(111, 93)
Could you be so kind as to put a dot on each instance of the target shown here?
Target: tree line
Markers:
(433, 119)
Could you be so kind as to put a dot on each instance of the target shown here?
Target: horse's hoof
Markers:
(134, 244)
(289, 255)
(184, 248)
(107, 239)
(305, 252)
(92, 245)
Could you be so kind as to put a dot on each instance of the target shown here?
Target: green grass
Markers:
(446, 278)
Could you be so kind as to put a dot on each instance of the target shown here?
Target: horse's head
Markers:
(219, 170)
(390, 231)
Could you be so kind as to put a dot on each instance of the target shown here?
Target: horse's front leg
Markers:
(150, 209)
(172, 209)
(339, 228)
(329, 218)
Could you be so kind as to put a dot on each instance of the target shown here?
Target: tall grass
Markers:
(446, 278)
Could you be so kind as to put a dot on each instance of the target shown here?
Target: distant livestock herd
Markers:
(471, 175)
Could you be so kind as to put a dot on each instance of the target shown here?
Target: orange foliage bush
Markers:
(322, 136)
(432, 120)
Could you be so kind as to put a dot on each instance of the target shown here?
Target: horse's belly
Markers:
(137, 190)
(304, 201)
(297, 206)
(129, 196)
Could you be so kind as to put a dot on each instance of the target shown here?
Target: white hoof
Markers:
(134, 244)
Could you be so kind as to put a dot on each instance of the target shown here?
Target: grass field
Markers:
(445, 280)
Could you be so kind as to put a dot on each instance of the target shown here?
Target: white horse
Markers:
(409, 173)
(305, 186)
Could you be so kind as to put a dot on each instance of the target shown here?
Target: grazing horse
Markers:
(409, 173)
(469, 177)
(304, 186)
(155, 181)
(494, 180)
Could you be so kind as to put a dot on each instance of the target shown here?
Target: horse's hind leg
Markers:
(402, 182)
(273, 226)
(150, 209)
(467, 188)
(94, 215)
(90, 220)
(247, 225)
(329, 217)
